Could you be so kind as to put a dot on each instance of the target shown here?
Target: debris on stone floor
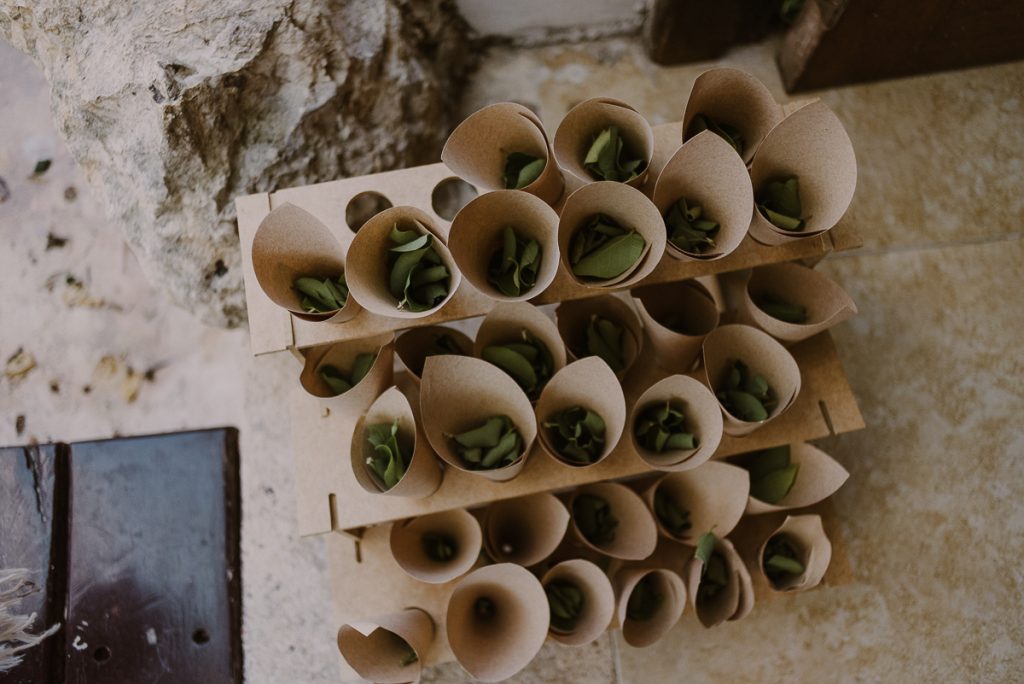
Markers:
(55, 241)
(19, 365)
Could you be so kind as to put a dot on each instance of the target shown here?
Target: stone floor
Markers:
(932, 512)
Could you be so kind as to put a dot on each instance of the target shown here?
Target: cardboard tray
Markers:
(366, 581)
(274, 329)
(329, 498)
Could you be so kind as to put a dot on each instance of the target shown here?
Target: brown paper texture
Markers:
(763, 356)
(291, 243)
(736, 98)
(703, 417)
(598, 600)
(715, 495)
(641, 633)
(586, 120)
(495, 649)
(812, 145)
(477, 230)
(572, 318)
(506, 322)
(636, 535)
(675, 351)
(407, 547)
(818, 477)
(589, 383)
(732, 603)
(368, 254)
(707, 172)
(341, 355)
(371, 649)
(815, 550)
(423, 474)
(477, 149)
(525, 530)
(412, 346)
(458, 393)
(827, 303)
(628, 207)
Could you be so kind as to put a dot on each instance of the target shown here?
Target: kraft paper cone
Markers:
(506, 322)
(688, 300)
(477, 231)
(826, 302)
(763, 356)
(807, 536)
(732, 603)
(636, 535)
(573, 317)
(458, 393)
(423, 474)
(640, 633)
(736, 98)
(368, 270)
(374, 648)
(708, 173)
(342, 355)
(703, 418)
(818, 478)
(589, 383)
(477, 149)
(598, 600)
(458, 525)
(413, 346)
(715, 495)
(291, 243)
(582, 124)
(628, 207)
(495, 648)
(812, 145)
(525, 530)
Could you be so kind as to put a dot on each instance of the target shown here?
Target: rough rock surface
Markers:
(174, 108)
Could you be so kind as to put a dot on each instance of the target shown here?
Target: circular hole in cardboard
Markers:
(200, 636)
(450, 195)
(101, 654)
(364, 207)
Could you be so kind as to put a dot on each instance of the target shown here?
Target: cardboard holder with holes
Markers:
(366, 579)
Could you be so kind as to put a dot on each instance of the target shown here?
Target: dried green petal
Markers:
(644, 600)
(418, 279)
(773, 486)
(438, 547)
(705, 547)
(594, 519)
(612, 258)
(781, 559)
(776, 307)
(662, 427)
(608, 158)
(687, 230)
(388, 462)
(566, 603)
(673, 518)
(521, 170)
(529, 362)
(577, 434)
(604, 340)
(730, 134)
(514, 265)
(779, 202)
(335, 380)
(494, 444)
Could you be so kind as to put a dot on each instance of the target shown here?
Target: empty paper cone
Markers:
(703, 419)
(708, 173)
(734, 98)
(478, 232)
(342, 356)
(598, 605)
(422, 475)
(289, 244)
(825, 302)
(459, 393)
(414, 545)
(497, 620)
(635, 534)
(368, 270)
(733, 601)
(589, 384)
(477, 150)
(818, 477)
(667, 585)
(573, 318)
(812, 145)
(763, 356)
(525, 530)
(387, 649)
(414, 345)
(713, 497)
(805, 535)
(584, 122)
(676, 317)
(630, 209)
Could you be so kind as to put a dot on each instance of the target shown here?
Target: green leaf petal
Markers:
(786, 565)
(486, 435)
(361, 366)
(773, 486)
(514, 364)
(613, 258)
(705, 547)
